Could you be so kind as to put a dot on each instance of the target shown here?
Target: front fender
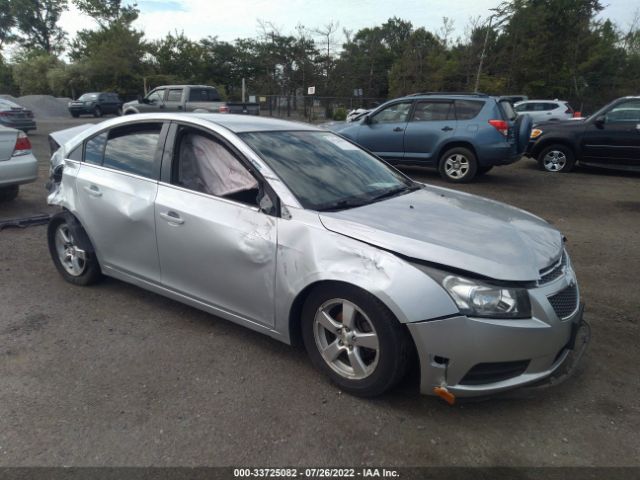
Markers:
(308, 253)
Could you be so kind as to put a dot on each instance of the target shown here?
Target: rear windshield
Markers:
(88, 96)
(204, 95)
(7, 105)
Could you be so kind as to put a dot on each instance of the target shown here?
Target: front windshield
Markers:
(88, 96)
(325, 171)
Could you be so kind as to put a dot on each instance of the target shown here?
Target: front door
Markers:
(384, 132)
(215, 244)
(616, 140)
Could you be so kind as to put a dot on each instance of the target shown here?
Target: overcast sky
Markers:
(231, 19)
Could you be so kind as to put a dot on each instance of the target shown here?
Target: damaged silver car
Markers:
(300, 234)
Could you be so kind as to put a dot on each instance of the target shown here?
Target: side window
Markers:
(468, 109)
(538, 107)
(518, 108)
(204, 164)
(624, 112)
(203, 95)
(94, 149)
(76, 154)
(550, 106)
(396, 113)
(433, 111)
(175, 95)
(157, 96)
(132, 149)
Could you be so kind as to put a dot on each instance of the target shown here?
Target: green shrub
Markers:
(340, 114)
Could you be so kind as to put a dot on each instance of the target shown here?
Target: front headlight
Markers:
(535, 133)
(477, 298)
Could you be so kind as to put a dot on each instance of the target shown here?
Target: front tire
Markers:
(76, 265)
(355, 340)
(97, 112)
(458, 165)
(556, 158)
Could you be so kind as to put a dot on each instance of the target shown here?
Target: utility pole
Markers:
(484, 49)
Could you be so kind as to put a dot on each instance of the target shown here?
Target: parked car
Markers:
(462, 135)
(545, 110)
(300, 234)
(513, 99)
(96, 104)
(14, 116)
(17, 163)
(188, 98)
(609, 138)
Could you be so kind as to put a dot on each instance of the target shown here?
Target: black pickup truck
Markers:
(187, 98)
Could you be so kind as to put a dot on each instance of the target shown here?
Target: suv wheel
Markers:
(458, 165)
(97, 112)
(556, 158)
(119, 111)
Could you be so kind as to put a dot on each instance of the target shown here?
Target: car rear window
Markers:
(132, 148)
(204, 95)
(468, 109)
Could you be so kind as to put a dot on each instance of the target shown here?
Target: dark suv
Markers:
(96, 104)
(462, 135)
(609, 138)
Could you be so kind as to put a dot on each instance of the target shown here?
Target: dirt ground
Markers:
(114, 375)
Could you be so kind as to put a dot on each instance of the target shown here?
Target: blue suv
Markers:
(462, 135)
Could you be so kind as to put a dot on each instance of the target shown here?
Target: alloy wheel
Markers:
(456, 166)
(72, 258)
(346, 339)
(554, 161)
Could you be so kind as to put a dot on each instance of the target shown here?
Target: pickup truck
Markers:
(187, 98)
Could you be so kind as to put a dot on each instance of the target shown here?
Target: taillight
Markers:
(501, 126)
(4, 114)
(23, 145)
(577, 114)
(30, 114)
(223, 109)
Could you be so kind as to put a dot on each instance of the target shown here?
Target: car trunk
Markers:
(7, 143)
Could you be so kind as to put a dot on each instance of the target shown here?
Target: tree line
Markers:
(540, 48)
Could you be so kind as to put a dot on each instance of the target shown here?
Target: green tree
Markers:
(37, 24)
(30, 72)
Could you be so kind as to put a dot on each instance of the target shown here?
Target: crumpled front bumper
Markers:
(450, 348)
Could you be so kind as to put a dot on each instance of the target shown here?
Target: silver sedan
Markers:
(302, 235)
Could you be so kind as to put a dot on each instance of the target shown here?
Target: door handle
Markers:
(172, 217)
(446, 129)
(398, 129)
(93, 191)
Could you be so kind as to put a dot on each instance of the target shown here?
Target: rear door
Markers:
(432, 122)
(216, 244)
(174, 101)
(116, 187)
(617, 140)
(384, 135)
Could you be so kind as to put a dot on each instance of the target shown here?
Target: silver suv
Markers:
(545, 110)
(300, 234)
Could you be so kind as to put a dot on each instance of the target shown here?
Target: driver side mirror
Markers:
(367, 120)
(599, 121)
(142, 99)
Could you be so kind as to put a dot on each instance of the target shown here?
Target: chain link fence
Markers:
(313, 109)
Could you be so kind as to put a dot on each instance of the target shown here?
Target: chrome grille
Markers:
(565, 302)
(554, 271)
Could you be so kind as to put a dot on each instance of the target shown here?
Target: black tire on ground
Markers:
(556, 158)
(9, 193)
(89, 271)
(388, 365)
(75, 115)
(97, 112)
(119, 112)
(483, 170)
(458, 165)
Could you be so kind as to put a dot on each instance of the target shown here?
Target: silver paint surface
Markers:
(234, 261)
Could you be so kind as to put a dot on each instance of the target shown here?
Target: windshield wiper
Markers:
(342, 205)
(395, 191)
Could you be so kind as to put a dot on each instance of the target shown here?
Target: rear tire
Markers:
(75, 115)
(77, 266)
(556, 158)
(458, 165)
(8, 194)
(355, 340)
(119, 112)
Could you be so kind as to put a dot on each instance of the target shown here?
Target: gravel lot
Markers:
(114, 375)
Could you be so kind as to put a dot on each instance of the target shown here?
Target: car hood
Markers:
(456, 230)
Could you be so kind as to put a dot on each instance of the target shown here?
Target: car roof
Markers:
(251, 123)
(186, 85)
(444, 95)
